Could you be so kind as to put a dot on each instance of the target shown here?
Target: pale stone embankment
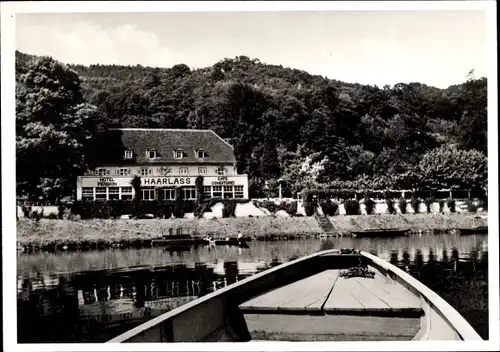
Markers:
(56, 234)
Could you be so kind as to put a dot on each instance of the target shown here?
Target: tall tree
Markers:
(473, 123)
(52, 125)
(269, 165)
(452, 167)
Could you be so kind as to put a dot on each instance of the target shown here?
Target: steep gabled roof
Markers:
(165, 142)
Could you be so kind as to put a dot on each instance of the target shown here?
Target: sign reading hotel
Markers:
(106, 182)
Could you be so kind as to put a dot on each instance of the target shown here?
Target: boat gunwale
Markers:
(184, 308)
(464, 330)
(443, 308)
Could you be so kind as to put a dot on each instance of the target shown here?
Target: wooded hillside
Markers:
(284, 123)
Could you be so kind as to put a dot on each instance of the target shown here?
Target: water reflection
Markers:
(94, 296)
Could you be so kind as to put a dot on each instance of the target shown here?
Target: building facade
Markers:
(164, 159)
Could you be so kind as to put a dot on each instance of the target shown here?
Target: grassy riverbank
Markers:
(53, 234)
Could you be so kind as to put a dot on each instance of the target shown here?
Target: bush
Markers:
(229, 208)
(37, 215)
(292, 208)
(308, 204)
(451, 205)
(199, 188)
(178, 210)
(309, 208)
(415, 204)
(428, 203)
(26, 211)
(352, 207)
(471, 207)
(104, 212)
(289, 207)
(369, 206)
(267, 204)
(483, 203)
(188, 205)
(402, 205)
(391, 209)
(441, 205)
(60, 211)
(199, 210)
(329, 207)
(52, 216)
(164, 210)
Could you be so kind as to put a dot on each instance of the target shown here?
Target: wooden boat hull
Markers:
(381, 233)
(253, 309)
(480, 230)
(231, 242)
(178, 242)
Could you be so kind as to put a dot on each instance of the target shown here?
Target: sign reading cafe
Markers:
(222, 181)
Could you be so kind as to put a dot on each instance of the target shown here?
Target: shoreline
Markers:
(96, 234)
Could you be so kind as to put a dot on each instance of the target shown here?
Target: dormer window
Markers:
(151, 154)
(178, 154)
(221, 171)
(128, 154)
(201, 154)
(102, 172)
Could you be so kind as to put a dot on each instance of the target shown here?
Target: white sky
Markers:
(437, 48)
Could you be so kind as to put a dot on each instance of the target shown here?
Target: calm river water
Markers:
(94, 296)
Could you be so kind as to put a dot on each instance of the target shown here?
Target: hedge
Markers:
(289, 207)
(451, 204)
(329, 207)
(308, 203)
(415, 204)
(331, 193)
(441, 205)
(369, 205)
(266, 204)
(391, 209)
(229, 208)
(428, 203)
(352, 207)
(402, 205)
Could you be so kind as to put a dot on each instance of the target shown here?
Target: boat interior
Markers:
(330, 307)
(306, 300)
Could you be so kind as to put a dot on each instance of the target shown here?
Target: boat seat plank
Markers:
(272, 326)
(306, 294)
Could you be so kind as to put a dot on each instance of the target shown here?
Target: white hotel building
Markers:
(164, 159)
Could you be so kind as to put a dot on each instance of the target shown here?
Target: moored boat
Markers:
(230, 242)
(183, 239)
(478, 230)
(326, 296)
(392, 232)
